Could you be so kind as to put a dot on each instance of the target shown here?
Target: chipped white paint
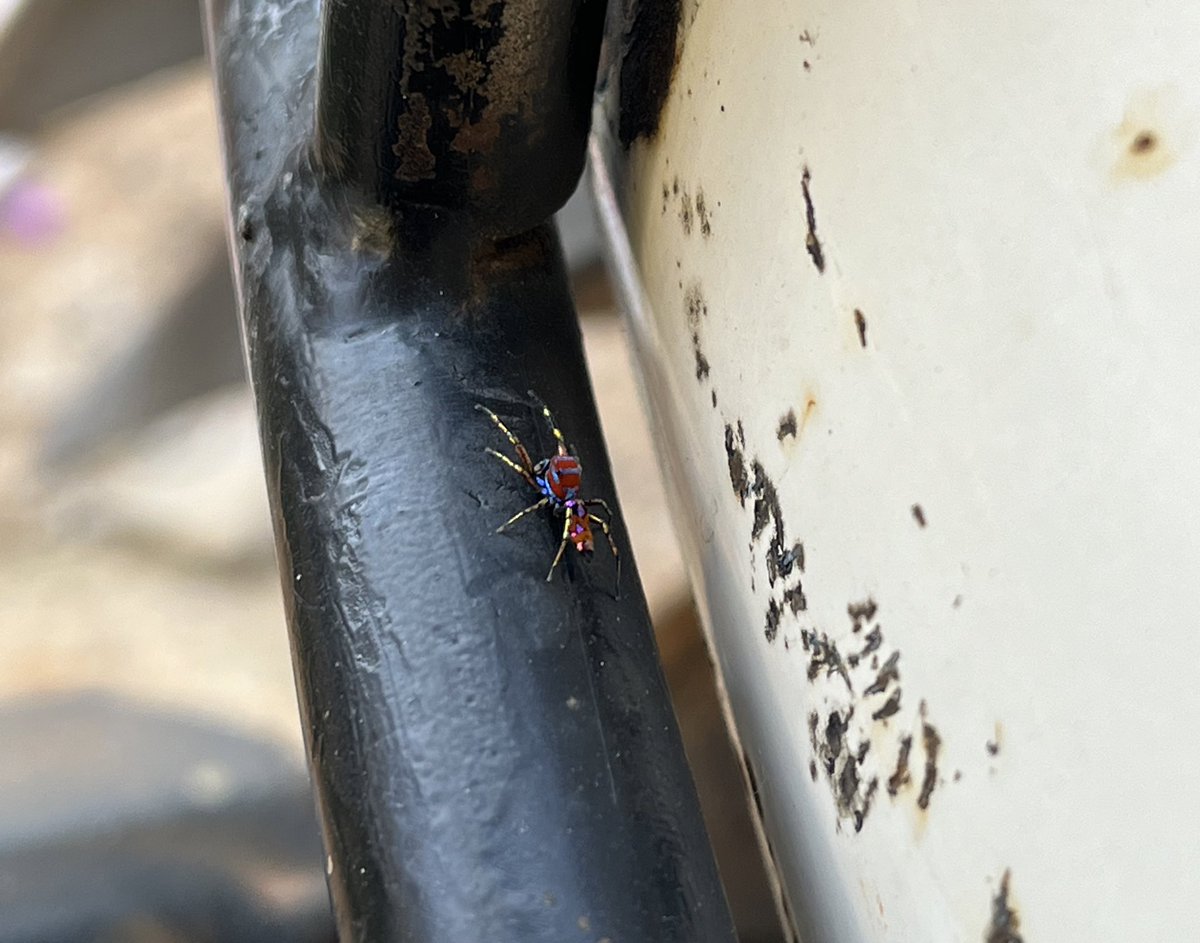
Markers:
(1009, 195)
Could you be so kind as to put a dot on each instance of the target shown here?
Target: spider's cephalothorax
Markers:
(558, 480)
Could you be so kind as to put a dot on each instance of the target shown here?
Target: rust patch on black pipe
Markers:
(811, 242)
(648, 60)
(1005, 925)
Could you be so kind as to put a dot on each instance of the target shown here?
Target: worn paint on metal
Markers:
(940, 453)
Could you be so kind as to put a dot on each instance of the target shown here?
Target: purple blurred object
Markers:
(31, 212)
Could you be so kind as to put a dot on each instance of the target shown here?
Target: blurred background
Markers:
(153, 784)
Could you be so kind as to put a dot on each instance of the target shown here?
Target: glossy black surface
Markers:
(495, 756)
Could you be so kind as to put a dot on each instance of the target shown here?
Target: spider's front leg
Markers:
(525, 468)
(562, 443)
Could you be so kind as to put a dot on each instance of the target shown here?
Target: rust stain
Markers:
(1146, 140)
(416, 160)
(478, 135)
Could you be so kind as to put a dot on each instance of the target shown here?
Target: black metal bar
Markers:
(495, 757)
(482, 107)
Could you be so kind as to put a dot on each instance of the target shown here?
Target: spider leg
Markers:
(520, 514)
(566, 538)
(562, 443)
(603, 525)
(600, 502)
(513, 465)
(516, 443)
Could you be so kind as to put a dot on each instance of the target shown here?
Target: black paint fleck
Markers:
(826, 657)
(860, 322)
(1005, 925)
(873, 640)
(787, 426)
(795, 599)
(835, 733)
(933, 743)
(774, 614)
(862, 612)
(900, 777)
(791, 558)
(811, 242)
(737, 465)
(860, 815)
(887, 674)
(702, 215)
(918, 515)
(702, 368)
(890, 707)
(694, 305)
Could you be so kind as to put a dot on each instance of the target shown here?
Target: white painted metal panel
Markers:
(915, 290)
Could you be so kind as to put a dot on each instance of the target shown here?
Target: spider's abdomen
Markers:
(562, 477)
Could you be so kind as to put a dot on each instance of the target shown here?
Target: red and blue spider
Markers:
(558, 480)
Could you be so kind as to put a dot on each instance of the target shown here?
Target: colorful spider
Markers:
(557, 479)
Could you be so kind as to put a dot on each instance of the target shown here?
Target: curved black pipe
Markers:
(480, 106)
(495, 757)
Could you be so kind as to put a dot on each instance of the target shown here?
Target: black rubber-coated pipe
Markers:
(481, 106)
(494, 755)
